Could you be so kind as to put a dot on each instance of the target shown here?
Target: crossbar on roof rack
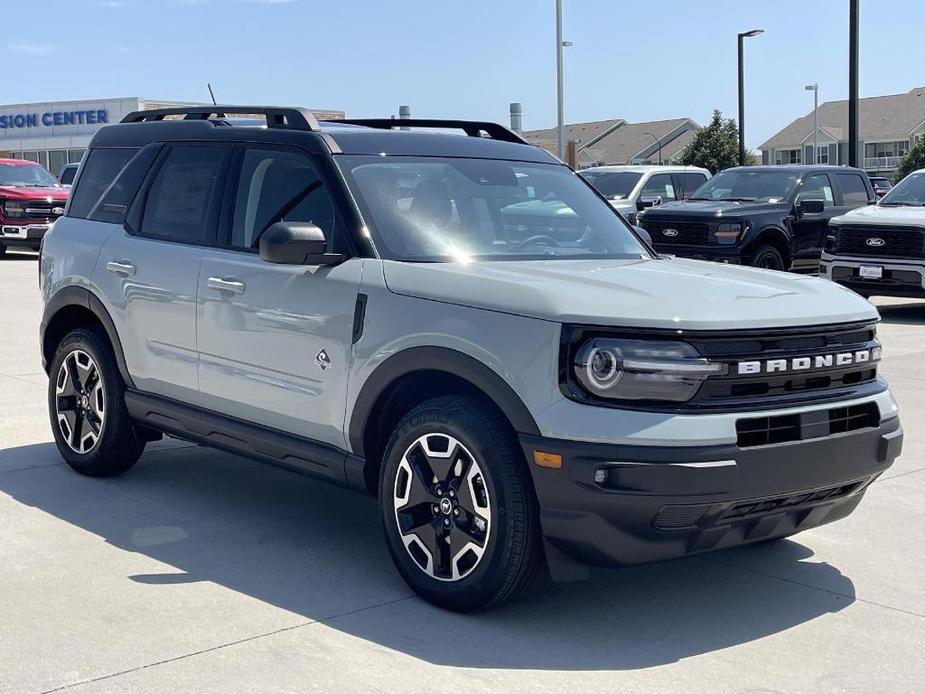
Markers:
(276, 117)
(472, 128)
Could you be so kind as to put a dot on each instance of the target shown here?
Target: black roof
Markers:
(298, 127)
(799, 168)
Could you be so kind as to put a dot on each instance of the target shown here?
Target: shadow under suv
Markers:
(773, 217)
(458, 325)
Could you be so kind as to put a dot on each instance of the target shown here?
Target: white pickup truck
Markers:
(880, 249)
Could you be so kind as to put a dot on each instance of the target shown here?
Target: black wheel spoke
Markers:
(66, 403)
(77, 431)
(72, 372)
(92, 423)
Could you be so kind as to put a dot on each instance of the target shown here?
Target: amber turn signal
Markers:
(553, 460)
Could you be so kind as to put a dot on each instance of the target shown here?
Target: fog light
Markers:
(600, 475)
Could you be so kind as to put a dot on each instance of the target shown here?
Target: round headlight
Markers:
(603, 367)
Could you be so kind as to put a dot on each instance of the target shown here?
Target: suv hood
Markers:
(708, 208)
(27, 193)
(670, 293)
(875, 214)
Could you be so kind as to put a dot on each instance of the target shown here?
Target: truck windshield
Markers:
(30, 175)
(431, 209)
(748, 186)
(908, 192)
(613, 185)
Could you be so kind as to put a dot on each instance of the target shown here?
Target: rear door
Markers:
(275, 340)
(149, 268)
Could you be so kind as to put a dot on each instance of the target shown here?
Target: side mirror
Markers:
(296, 243)
(811, 207)
(646, 201)
(646, 236)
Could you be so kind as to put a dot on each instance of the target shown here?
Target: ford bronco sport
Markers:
(30, 200)
(458, 325)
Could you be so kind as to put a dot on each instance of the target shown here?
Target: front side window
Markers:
(442, 209)
(660, 186)
(748, 186)
(278, 186)
(908, 192)
(817, 187)
(613, 185)
(181, 196)
(853, 190)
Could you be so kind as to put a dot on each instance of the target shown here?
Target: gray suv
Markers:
(458, 325)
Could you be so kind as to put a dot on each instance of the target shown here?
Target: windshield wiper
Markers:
(707, 199)
(738, 199)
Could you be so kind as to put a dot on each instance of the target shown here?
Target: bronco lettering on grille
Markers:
(811, 363)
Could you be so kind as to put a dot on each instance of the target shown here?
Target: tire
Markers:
(486, 506)
(2, 250)
(92, 428)
(767, 257)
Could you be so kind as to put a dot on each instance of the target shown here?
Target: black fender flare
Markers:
(85, 299)
(766, 232)
(437, 359)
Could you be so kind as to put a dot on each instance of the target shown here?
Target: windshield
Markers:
(613, 185)
(909, 191)
(748, 186)
(436, 209)
(31, 175)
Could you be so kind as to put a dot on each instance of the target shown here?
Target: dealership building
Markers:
(56, 133)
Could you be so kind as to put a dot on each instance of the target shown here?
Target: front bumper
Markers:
(28, 235)
(662, 502)
(900, 277)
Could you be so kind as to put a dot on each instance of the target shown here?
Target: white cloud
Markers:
(32, 48)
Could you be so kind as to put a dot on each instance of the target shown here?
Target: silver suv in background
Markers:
(880, 249)
(458, 326)
(631, 189)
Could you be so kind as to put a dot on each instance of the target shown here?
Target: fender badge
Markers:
(323, 360)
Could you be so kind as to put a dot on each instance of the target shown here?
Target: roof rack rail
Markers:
(472, 128)
(276, 117)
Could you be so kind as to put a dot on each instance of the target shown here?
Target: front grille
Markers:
(42, 210)
(763, 431)
(783, 503)
(687, 233)
(892, 242)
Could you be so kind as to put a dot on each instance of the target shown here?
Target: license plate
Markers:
(871, 272)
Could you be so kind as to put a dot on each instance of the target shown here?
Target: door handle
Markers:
(122, 267)
(226, 284)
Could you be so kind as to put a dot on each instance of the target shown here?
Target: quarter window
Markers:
(179, 200)
(100, 170)
(853, 190)
(278, 186)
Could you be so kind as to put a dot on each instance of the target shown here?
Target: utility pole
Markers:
(560, 105)
(744, 35)
(814, 88)
(853, 36)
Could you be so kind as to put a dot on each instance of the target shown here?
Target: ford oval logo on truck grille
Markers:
(876, 242)
(669, 232)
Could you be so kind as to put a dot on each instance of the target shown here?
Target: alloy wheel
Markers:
(80, 403)
(442, 507)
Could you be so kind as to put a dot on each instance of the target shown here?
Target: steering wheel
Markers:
(535, 241)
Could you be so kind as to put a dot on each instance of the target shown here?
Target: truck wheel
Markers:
(460, 517)
(87, 407)
(767, 257)
(2, 250)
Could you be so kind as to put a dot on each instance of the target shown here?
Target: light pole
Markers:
(659, 143)
(744, 35)
(814, 88)
(560, 100)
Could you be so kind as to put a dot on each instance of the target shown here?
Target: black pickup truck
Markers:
(773, 217)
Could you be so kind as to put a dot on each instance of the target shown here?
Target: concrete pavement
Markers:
(202, 572)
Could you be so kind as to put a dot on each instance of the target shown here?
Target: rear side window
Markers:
(691, 182)
(99, 171)
(183, 193)
(115, 202)
(853, 190)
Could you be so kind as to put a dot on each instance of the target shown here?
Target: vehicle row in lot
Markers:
(773, 217)
(459, 326)
(30, 201)
(880, 250)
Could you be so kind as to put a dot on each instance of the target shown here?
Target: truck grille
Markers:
(894, 242)
(677, 233)
(763, 431)
(42, 210)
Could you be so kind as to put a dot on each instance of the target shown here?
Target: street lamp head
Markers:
(811, 87)
(753, 32)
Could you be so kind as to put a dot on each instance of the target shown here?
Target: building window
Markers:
(75, 155)
(57, 158)
(886, 149)
(822, 154)
(788, 156)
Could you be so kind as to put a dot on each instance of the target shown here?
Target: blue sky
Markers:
(631, 59)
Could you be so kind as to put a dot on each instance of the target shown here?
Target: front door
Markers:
(275, 340)
(809, 229)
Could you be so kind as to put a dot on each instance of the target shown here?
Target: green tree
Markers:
(913, 160)
(716, 146)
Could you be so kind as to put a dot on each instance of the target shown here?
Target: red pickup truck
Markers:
(30, 200)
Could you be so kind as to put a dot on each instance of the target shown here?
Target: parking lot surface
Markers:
(198, 571)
